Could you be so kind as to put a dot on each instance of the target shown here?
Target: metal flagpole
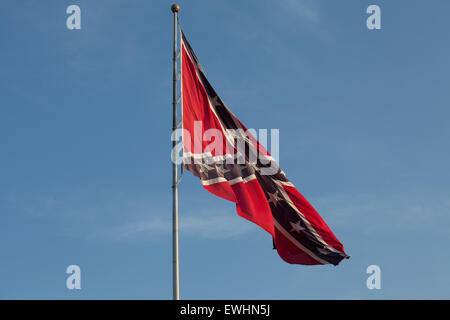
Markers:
(176, 276)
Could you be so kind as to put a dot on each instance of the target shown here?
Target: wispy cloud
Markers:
(113, 216)
(305, 9)
(375, 213)
(361, 212)
(193, 225)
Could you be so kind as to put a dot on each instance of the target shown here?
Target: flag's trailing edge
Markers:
(299, 234)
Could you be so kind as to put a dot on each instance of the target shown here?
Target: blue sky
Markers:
(85, 121)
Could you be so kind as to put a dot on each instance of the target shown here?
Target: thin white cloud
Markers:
(79, 213)
(360, 212)
(375, 213)
(135, 216)
(305, 9)
(198, 225)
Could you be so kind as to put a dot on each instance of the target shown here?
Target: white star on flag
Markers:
(204, 168)
(296, 226)
(322, 251)
(221, 169)
(274, 198)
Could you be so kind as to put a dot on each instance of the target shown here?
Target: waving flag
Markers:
(233, 165)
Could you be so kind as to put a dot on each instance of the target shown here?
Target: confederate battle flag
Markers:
(233, 165)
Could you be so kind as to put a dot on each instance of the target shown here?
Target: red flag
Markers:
(232, 164)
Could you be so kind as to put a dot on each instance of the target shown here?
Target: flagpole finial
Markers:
(175, 8)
